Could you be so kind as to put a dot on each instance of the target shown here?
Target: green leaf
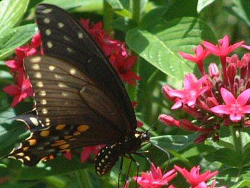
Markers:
(160, 43)
(11, 12)
(240, 9)
(14, 38)
(225, 156)
(59, 165)
(153, 16)
(203, 4)
(182, 8)
(71, 4)
(173, 142)
(116, 4)
(124, 24)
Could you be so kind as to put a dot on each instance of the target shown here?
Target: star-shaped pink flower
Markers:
(192, 90)
(236, 108)
(198, 58)
(224, 47)
(194, 178)
(155, 178)
(19, 91)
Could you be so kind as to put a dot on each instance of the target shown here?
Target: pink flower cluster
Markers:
(218, 97)
(156, 179)
(22, 89)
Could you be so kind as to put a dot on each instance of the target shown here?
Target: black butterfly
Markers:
(80, 100)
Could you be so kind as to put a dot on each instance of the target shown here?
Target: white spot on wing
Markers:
(80, 34)
(35, 59)
(52, 68)
(69, 50)
(38, 75)
(64, 94)
(42, 93)
(60, 25)
(35, 67)
(62, 85)
(44, 111)
(48, 32)
(72, 71)
(46, 11)
(66, 38)
(46, 20)
(49, 44)
(34, 121)
(39, 84)
(43, 101)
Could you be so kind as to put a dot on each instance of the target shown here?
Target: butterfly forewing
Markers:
(64, 38)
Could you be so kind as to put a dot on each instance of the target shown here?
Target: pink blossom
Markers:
(236, 108)
(198, 58)
(224, 47)
(19, 91)
(194, 178)
(192, 90)
(155, 178)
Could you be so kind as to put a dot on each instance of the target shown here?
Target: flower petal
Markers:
(221, 109)
(243, 97)
(187, 56)
(12, 90)
(227, 96)
(212, 48)
(235, 117)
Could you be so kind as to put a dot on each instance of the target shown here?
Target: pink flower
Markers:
(194, 178)
(213, 70)
(123, 65)
(224, 47)
(87, 151)
(192, 90)
(200, 55)
(155, 178)
(19, 91)
(234, 107)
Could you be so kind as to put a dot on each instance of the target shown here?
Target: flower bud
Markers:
(169, 120)
(213, 71)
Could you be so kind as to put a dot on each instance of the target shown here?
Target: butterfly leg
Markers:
(137, 167)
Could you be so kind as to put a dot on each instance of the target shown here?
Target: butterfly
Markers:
(79, 98)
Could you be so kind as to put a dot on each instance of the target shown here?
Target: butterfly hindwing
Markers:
(63, 37)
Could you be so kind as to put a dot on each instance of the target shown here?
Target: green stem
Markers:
(108, 16)
(83, 179)
(136, 16)
(237, 139)
(136, 11)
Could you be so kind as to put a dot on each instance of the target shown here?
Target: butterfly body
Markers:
(108, 155)
(79, 98)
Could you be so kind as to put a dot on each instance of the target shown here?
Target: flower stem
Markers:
(224, 68)
(108, 16)
(237, 139)
(136, 16)
(136, 11)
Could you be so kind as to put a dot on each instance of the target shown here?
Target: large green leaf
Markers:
(203, 4)
(225, 156)
(11, 12)
(15, 37)
(240, 9)
(116, 4)
(159, 44)
(70, 4)
(173, 142)
(59, 165)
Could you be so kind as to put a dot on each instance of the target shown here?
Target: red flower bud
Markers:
(169, 120)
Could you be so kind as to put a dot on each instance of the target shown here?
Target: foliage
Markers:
(155, 30)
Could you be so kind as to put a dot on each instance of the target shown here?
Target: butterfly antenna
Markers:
(152, 126)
